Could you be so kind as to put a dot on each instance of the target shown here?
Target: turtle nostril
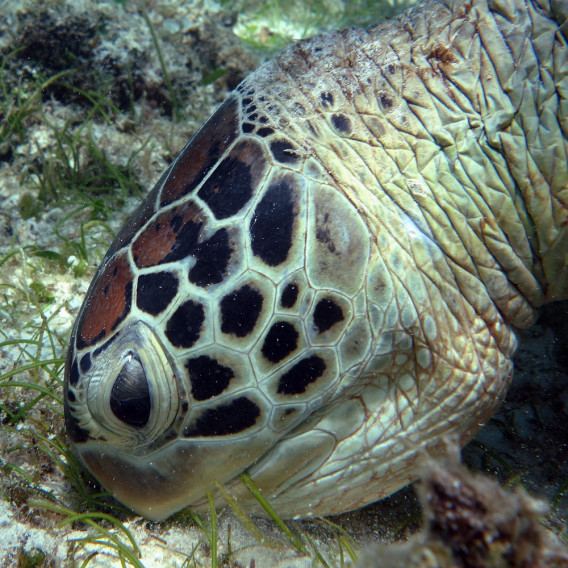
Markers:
(130, 395)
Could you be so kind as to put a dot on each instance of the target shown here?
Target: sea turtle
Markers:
(326, 280)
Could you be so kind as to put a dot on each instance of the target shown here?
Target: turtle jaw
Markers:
(136, 482)
(160, 483)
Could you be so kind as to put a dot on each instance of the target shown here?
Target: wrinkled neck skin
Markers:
(454, 117)
(446, 130)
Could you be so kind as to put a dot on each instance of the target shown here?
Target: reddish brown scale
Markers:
(138, 219)
(109, 302)
(158, 240)
(203, 152)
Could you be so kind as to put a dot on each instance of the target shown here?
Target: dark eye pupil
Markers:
(130, 395)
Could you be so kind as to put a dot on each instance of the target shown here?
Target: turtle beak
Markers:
(177, 475)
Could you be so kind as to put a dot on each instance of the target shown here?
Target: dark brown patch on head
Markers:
(211, 260)
(297, 379)
(72, 371)
(173, 235)
(155, 291)
(272, 224)
(289, 295)
(85, 363)
(265, 131)
(202, 152)
(326, 100)
(280, 341)
(184, 327)
(231, 418)
(284, 151)
(326, 314)
(341, 123)
(108, 302)
(208, 377)
(240, 310)
(235, 179)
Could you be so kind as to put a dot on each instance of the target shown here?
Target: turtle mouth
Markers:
(157, 482)
(154, 486)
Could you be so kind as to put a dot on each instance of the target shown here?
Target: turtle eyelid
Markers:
(130, 399)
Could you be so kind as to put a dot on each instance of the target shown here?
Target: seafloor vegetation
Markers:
(96, 98)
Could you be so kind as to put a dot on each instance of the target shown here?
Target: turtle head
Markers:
(224, 314)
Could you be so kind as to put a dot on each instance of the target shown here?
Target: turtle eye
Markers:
(130, 395)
